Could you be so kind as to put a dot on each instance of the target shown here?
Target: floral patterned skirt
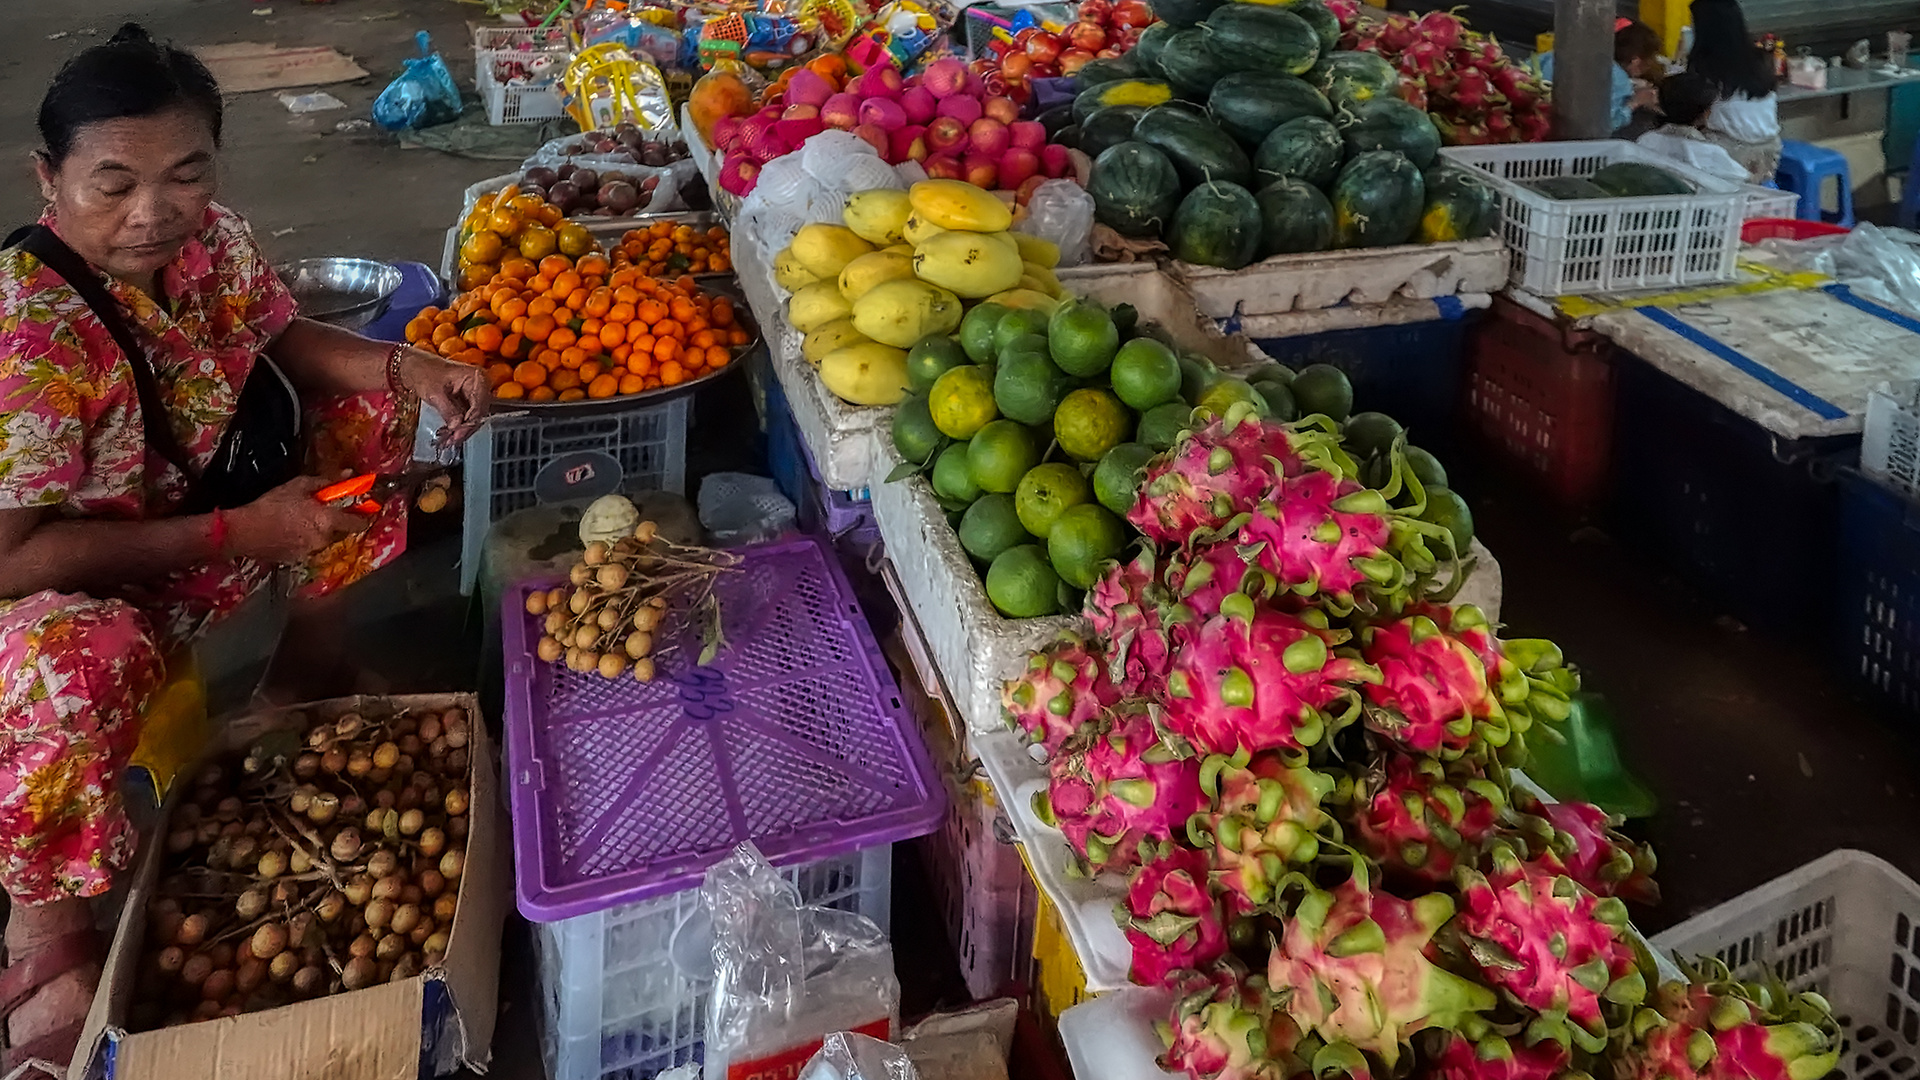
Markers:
(76, 672)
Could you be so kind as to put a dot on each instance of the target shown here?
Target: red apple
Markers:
(1097, 11)
(1016, 67)
(945, 167)
(1043, 47)
(1130, 14)
(946, 135)
(1073, 60)
(1086, 35)
(1002, 109)
(1024, 193)
(981, 171)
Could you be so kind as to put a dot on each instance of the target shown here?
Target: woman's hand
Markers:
(458, 392)
(287, 524)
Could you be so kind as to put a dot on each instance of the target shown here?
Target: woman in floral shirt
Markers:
(102, 573)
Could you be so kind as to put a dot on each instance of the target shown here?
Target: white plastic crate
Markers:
(1846, 925)
(615, 1006)
(1890, 442)
(516, 104)
(1569, 246)
(504, 460)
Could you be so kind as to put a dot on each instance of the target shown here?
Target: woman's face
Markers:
(132, 191)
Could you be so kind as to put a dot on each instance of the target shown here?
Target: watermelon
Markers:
(1634, 178)
(1107, 127)
(1566, 187)
(1326, 25)
(1307, 147)
(1056, 120)
(1183, 12)
(1387, 123)
(1249, 104)
(1135, 189)
(1104, 70)
(1458, 207)
(1189, 66)
(1145, 53)
(1295, 216)
(1145, 93)
(1256, 37)
(1377, 200)
(1354, 78)
(1217, 224)
(1196, 146)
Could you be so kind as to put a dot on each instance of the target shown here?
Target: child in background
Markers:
(1637, 70)
(1688, 99)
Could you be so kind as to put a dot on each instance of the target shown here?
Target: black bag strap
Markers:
(43, 244)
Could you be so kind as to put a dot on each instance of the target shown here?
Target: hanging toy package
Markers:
(787, 976)
(423, 95)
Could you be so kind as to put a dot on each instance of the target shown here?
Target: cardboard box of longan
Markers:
(431, 1023)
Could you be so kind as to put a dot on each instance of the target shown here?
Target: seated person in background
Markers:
(1688, 99)
(1746, 114)
(1637, 70)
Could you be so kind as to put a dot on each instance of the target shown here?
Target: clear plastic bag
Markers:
(1880, 264)
(1061, 211)
(846, 1056)
(423, 95)
(741, 508)
(787, 976)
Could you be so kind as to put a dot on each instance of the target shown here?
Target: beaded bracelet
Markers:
(393, 370)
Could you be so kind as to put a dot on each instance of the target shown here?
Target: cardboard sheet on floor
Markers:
(246, 66)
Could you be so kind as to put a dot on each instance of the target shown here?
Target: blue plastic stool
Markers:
(1909, 217)
(1805, 169)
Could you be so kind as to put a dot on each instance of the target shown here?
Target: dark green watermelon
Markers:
(1145, 53)
(1634, 178)
(1564, 188)
(1217, 224)
(1183, 12)
(1056, 120)
(1259, 37)
(1107, 127)
(1250, 104)
(1189, 65)
(1377, 200)
(1135, 189)
(1106, 69)
(1387, 123)
(1196, 146)
(1459, 207)
(1308, 148)
(1145, 93)
(1326, 25)
(1354, 78)
(1295, 216)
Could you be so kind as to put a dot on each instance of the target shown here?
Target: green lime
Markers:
(1196, 374)
(1160, 426)
(1279, 373)
(1027, 343)
(1022, 584)
(1014, 324)
(931, 357)
(1279, 401)
(1046, 492)
(913, 432)
(1370, 433)
(1083, 338)
(961, 401)
(1084, 539)
(1145, 373)
(976, 332)
(1323, 389)
(952, 479)
(1229, 391)
(991, 526)
(1426, 468)
(1448, 510)
(1091, 422)
(1117, 479)
(1027, 387)
(1000, 455)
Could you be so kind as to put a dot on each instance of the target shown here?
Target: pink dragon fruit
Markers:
(1418, 817)
(1259, 679)
(1356, 963)
(1201, 580)
(1398, 33)
(1551, 946)
(1529, 674)
(1537, 126)
(1414, 92)
(1265, 818)
(1064, 687)
(1225, 1027)
(1424, 58)
(1717, 1029)
(1326, 535)
(1578, 839)
(1473, 91)
(1493, 1058)
(1171, 918)
(1212, 474)
(1114, 789)
(1441, 28)
(1432, 697)
(1125, 606)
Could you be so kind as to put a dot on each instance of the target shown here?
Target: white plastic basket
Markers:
(1569, 246)
(616, 999)
(1890, 442)
(1846, 925)
(512, 103)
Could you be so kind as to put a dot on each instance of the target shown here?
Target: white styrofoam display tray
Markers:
(1329, 279)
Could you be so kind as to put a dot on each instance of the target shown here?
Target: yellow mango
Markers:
(825, 250)
(902, 311)
(1029, 299)
(789, 274)
(1044, 276)
(1038, 250)
(919, 230)
(878, 216)
(871, 269)
(866, 374)
(899, 249)
(816, 305)
(837, 334)
(956, 204)
(969, 264)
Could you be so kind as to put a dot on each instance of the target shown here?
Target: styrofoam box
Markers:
(617, 998)
(1846, 925)
(1325, 279)
(1890, 443)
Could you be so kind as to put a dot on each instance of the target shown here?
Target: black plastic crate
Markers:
(1410, 371)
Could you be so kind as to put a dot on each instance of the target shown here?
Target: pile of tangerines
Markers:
(565, 329)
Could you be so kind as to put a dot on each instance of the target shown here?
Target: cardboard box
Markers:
(430, 1024)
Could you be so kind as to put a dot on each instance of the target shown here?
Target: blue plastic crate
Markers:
(1879, 590)
(821, 508)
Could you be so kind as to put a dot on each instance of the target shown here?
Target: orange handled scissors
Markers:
(356, 493)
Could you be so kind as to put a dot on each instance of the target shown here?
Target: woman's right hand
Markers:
(287, 524)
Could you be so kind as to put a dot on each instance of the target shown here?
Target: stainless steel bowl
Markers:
(345, 292)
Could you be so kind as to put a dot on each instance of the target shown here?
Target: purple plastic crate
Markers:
(795, 738)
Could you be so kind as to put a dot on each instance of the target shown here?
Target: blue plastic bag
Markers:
(423, 95)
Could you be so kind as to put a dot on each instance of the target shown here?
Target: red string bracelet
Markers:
(217, 534)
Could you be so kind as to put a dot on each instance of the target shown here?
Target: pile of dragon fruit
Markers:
(1474, 92)
(1302, 759)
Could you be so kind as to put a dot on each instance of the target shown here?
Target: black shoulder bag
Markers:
(260, 449)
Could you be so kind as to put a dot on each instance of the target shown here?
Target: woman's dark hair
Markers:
(1725, 52)
(1687, 97)
(1638, 41)
(130, 75)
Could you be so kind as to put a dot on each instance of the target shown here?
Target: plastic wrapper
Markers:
(1061, 211)
(787, 976)
(1879, 264)
(741, 508)
(423, 95)
(607, 84)
(811, 184)
(847, 1056)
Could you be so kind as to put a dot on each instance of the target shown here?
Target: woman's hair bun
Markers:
(131, 33)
